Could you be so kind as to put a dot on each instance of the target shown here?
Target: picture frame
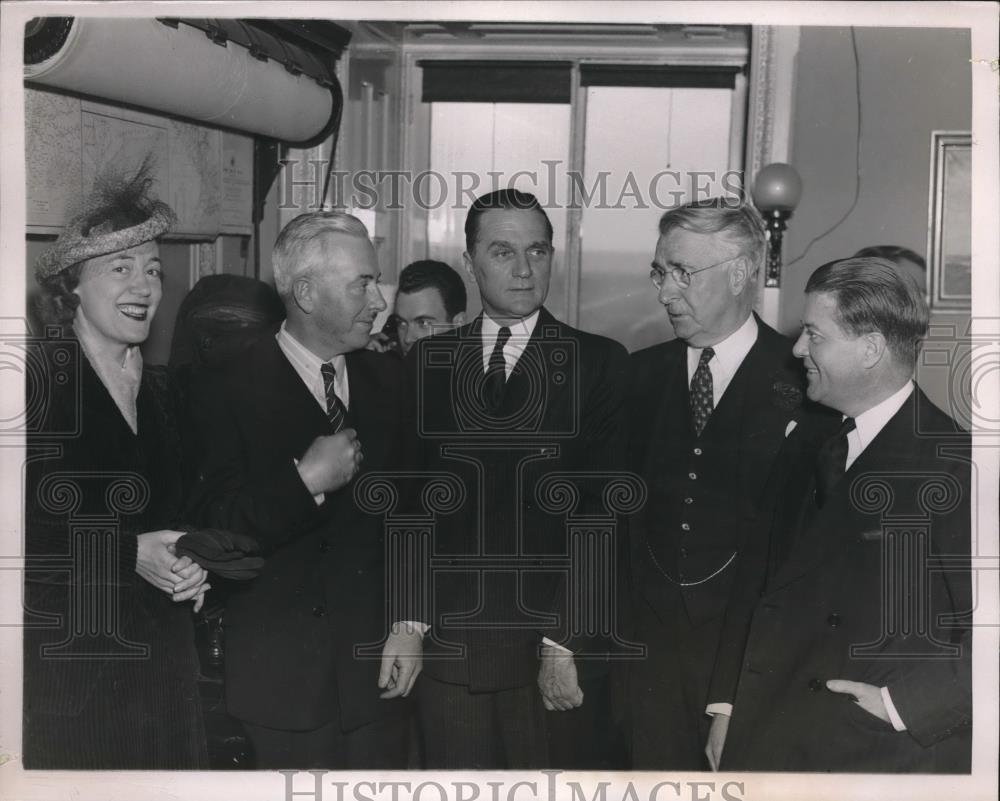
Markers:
(949, 243)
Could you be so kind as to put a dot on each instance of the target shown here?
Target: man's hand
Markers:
(867, 696)
(402, 661)
(155, 559)
(557, 680)
(191, 582)
(716, 739)
(330, 462)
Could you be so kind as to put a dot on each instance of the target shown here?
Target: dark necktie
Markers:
(702, 402)
(496, 372)
(335, 411)
(831, 461)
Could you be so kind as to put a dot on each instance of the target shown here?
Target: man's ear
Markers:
(739, 275)
(458, 319)
(467, 261)
(302, 294)
(874, 349)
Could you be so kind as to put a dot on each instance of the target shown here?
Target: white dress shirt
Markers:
(867, 425)
(307, 364)
(520, 333)
(729, 355)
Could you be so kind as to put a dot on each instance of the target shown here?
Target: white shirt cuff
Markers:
(318, 498)
(547, 641)
(719, 709)
(890, 707)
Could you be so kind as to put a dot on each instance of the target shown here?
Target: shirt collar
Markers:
(306, 365)
(522, 329)
(303, 355)
(869, 423)
(731, 351)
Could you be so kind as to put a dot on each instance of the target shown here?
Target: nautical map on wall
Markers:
(69, 142)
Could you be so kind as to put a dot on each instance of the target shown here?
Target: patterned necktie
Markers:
(831, 461)
(335, 411)
(702, 402)
(496, 372)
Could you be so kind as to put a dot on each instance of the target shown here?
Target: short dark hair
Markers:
(501, 199)
(721, 215)
(873, 295)
(893, 253)
(430, 274)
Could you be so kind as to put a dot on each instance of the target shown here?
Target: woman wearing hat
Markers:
(110, 663)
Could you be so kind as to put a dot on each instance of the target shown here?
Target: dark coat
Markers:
(560, 414)
(703, 497)
(291, 632)
(125, 695)
(814, 604)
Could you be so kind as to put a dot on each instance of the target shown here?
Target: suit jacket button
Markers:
(815, 685)
(319, 611)
(685, 526)
(833, 621)
(689, 500)
(324, 546)
(684, 553)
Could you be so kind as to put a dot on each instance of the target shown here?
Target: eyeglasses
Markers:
(682, 276)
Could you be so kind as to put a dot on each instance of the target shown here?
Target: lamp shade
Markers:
(777, 187)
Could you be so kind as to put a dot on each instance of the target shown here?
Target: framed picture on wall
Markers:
(949, 245)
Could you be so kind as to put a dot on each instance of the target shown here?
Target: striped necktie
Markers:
(335, 411)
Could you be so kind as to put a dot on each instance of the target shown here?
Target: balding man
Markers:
(287, 427)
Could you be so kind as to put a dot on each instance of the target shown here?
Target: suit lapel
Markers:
(667, 417)
(669, 424)
(838, 520)
(287, 397)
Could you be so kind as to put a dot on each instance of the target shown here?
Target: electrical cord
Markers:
(857, 159)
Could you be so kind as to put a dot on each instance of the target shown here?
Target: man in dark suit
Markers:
(847, 642)
(506, 404)
(283, 426)
(707, 412)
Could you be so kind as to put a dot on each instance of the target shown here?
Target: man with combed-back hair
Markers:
(512, 398)
(847, 644)
(287, 426)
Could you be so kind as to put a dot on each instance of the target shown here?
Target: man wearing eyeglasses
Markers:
(708, 412)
